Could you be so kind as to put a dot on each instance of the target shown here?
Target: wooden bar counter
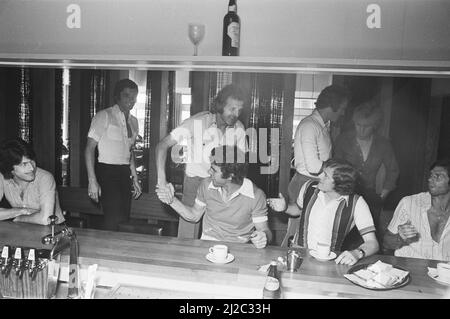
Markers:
(179, 266)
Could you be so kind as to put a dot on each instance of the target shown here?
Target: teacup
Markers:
(323, 250)
(443, 270)
(219, 252)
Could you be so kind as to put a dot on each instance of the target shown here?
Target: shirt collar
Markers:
(319, 119)
(246, 189)
(339, 199)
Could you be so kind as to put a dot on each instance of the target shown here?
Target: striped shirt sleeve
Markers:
(363, 217)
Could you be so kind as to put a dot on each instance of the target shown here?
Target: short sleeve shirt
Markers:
(321, 218)
(414, 208)
(236, 217)
(36, 193)
(199, 134)
(109, 129)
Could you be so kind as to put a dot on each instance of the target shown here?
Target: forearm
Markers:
(161, 156)
(293, 210)
(133, 166)
(34, 218)
(393, 241)
(185, 211)
(90, 163)
(269, 235)
(370, 247)
(7, 213)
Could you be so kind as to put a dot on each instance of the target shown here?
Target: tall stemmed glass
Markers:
(196, 33)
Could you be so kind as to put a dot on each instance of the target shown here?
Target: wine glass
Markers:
(196, 33)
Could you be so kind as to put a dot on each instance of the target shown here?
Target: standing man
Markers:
(420, 227)
(114, 131)
(30, 190)
(201, 133)
(312, 143)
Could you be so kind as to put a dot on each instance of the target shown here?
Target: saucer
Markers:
(435, 276)
(331, 256)
(211, 258)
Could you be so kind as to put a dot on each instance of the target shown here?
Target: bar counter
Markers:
(177, 268)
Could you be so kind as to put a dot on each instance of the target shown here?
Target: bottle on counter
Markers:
(231, 31)
(272, 289)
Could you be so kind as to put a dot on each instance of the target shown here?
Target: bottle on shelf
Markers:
(231, 31)
(272, 289)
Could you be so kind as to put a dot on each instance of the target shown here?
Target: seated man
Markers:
(234, 208)
(31, 191)
(329, 209)
(419, 227)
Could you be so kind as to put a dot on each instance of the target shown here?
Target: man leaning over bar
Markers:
(30, 190)
(419, 227)
(233, 208)
(328, 210)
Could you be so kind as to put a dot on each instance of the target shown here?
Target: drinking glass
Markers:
(196, 32)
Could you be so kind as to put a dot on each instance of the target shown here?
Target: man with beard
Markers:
(114, 131)
(419, 227)
(30, 190)
(232, 207)
(200, 134)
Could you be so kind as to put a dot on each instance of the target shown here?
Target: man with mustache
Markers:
(30, 190)
(114, 131)
(200, 134)
(419, 227)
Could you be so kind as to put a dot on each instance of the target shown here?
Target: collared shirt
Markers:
(109, 129)
(380, 152)
(236, 217)
(321, 220)
(312, 144)
(414, 208)
(41, 190)
(200, 135)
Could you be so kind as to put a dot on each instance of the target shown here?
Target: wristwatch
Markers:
(361, 252)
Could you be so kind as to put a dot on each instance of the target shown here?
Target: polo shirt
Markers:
(109, 129)
(321, 218)
(235, 217)
(40, 190)
(312, 144)
(414, 208)
(199, 134)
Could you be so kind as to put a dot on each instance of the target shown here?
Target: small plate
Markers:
(331, 256)
(211, 258)
(403, 283)
(435, 276)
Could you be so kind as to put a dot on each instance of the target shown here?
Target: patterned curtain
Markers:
(59, 105)
(98, 91)
(25, 112)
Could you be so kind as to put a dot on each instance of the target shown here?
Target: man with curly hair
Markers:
(233, 208)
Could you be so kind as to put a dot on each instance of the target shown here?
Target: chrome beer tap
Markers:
(18, 262)
(32, 264)
(6, 261)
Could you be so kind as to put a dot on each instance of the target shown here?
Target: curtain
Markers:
(25, 112)
(98, 91)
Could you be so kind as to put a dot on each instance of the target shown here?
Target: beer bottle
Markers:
(272, 289)
(231, 31)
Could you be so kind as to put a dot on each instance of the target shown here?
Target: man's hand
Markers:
(408, 232)
(137, 191)
(94, 190)
(277, 204)
(166, 193)
(347, 258)
(259, 239)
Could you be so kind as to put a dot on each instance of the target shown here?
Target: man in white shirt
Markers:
(419, 227)
(200, 134)
(329, 211)
(312, 140)
(114, 131)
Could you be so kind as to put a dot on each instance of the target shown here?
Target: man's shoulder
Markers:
(43, 174)
(199, 116)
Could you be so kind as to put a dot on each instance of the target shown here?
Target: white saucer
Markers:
(331, 256)
(435, 276)
(211, 258)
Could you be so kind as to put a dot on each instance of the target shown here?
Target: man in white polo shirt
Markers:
(233, 208)
(328, 210)
(114, 131)
(200, 134)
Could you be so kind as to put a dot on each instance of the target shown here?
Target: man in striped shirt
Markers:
(328, 210)
(419, 227)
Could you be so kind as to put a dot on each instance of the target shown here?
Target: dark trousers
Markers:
(115, 185)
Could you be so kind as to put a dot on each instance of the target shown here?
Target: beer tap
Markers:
(32, 264)
(5, 260)
(52, 238)
(18, 262)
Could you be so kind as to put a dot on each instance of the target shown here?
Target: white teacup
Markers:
(443, 270)
(219, 252)
(323, 250)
